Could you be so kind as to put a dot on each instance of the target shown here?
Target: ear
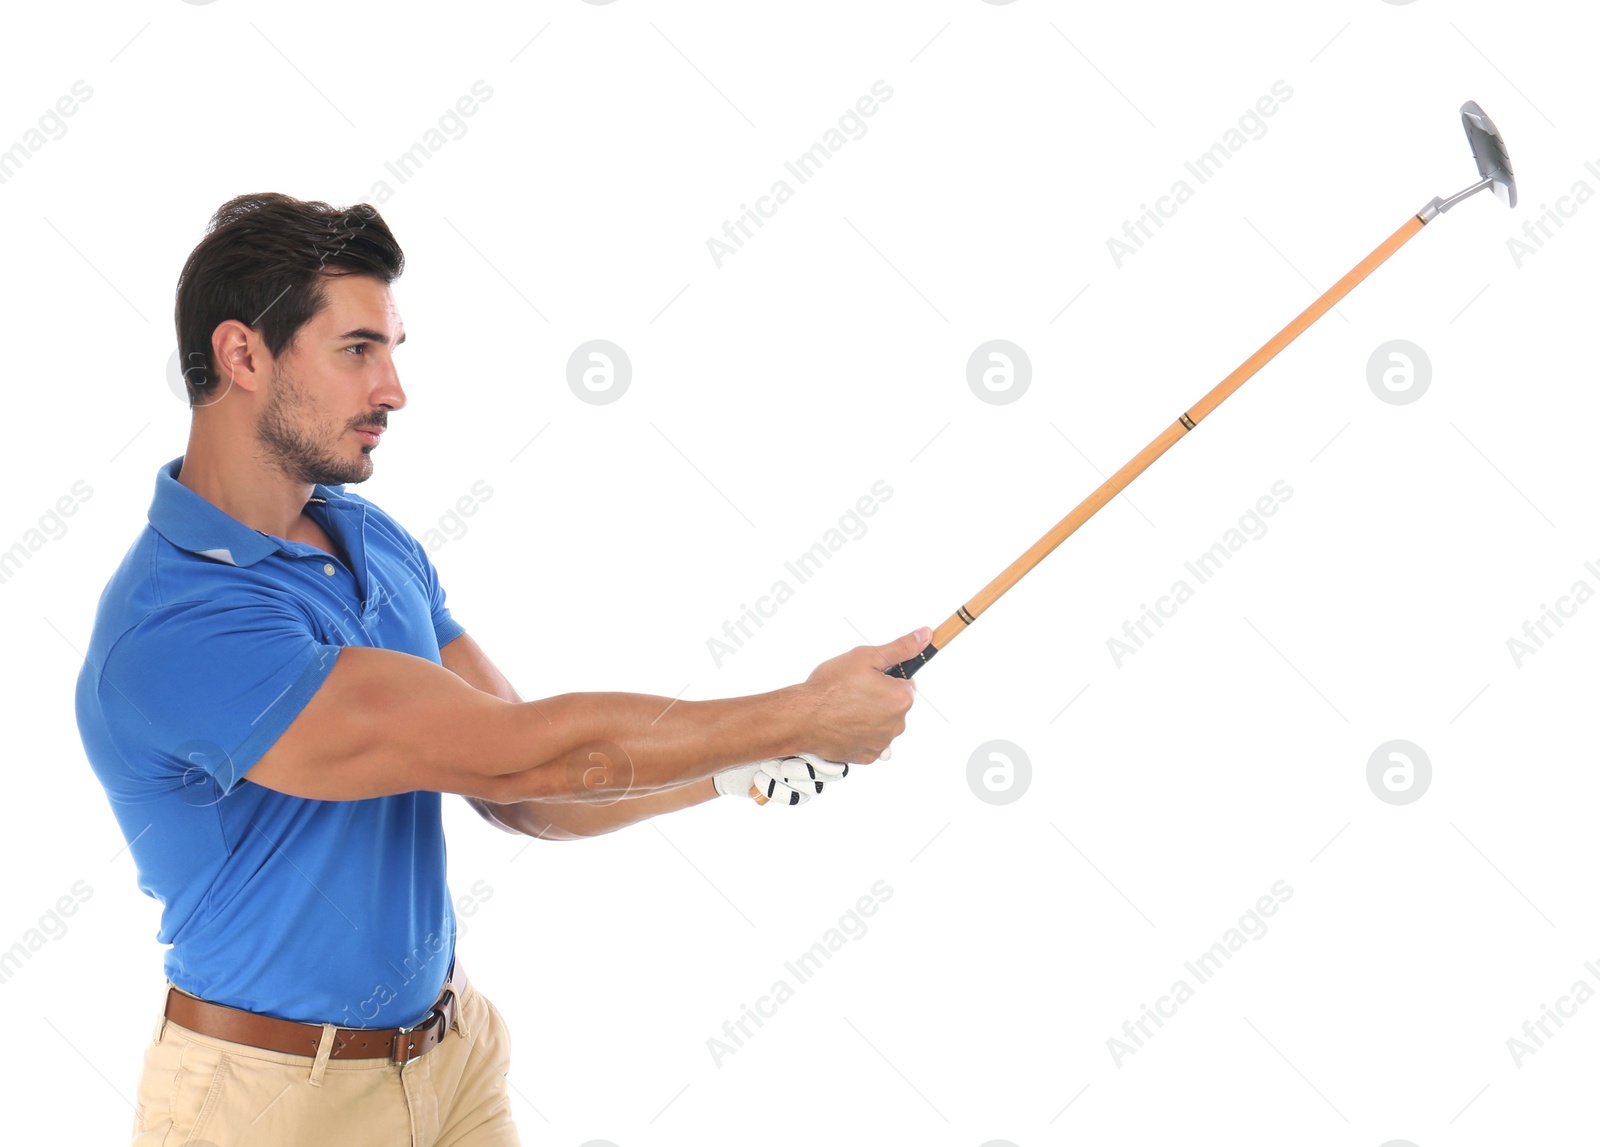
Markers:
(242, 358)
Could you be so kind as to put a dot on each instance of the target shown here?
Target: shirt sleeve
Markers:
(445, 627)
(211, 685)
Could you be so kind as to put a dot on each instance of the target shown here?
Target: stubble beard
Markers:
(301, 447)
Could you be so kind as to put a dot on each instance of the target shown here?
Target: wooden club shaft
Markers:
(1114, 485)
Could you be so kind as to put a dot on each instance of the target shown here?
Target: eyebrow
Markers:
(370, 335)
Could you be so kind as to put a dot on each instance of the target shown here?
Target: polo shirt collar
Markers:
(191, 523)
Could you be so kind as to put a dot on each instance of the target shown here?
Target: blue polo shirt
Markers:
(208, 641)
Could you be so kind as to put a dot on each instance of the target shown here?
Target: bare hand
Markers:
(856, 708)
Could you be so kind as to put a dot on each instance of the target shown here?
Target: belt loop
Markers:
(455, 1018)
(324, 1051)
(455, 983)
(161, 1024)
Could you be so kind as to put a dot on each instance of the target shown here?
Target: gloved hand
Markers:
(781, 780)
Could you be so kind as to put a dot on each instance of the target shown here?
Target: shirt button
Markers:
(327, 568)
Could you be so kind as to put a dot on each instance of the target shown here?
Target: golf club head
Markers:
(1489, 150)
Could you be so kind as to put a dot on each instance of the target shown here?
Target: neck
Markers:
(243, 485)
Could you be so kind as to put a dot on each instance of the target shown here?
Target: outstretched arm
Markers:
(559, 820)
(381, 722)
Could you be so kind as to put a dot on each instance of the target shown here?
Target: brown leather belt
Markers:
(401, 1045)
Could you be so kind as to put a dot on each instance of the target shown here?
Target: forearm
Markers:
(629, 745)
(570, 820)
(600, 746)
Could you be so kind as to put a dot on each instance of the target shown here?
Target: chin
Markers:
(358, 470)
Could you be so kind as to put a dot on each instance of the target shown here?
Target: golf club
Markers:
(1494, 171)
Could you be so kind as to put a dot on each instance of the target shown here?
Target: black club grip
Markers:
(908, 667)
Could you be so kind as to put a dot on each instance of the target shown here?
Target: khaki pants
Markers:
(203, 1091)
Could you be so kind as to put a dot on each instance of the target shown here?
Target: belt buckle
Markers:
(394, 1050)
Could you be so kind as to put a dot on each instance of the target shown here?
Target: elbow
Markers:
(595, 772)
(547, 750)
(540, 782)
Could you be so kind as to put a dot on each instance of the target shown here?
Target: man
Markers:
(276, 696)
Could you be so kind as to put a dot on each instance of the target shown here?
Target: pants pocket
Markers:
(501, 1032)
(198, 1093)
(178, 1088)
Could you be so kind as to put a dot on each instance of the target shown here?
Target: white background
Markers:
(767, 396)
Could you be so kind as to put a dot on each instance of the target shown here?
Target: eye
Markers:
(359, 347)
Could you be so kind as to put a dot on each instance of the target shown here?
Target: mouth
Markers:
(370, 437)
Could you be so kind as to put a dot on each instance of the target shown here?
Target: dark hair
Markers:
(262, 262)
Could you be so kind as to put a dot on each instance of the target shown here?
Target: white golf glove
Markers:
(781, 780)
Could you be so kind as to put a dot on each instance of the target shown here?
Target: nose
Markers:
(388, 392)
